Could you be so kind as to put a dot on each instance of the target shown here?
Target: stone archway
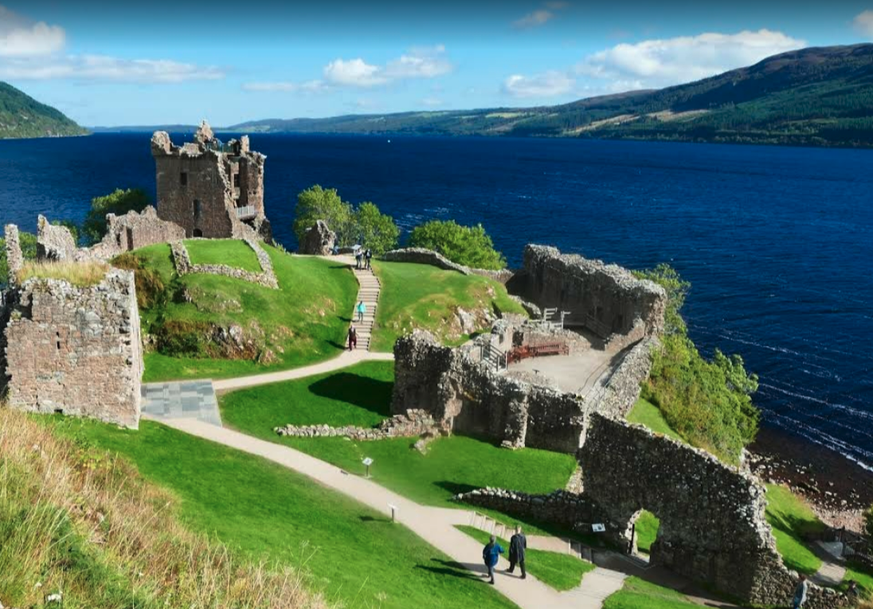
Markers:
(198, 232)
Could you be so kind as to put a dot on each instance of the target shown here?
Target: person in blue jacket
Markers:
(490, 553)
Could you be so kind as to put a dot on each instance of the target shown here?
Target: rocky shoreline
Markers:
(837, 489)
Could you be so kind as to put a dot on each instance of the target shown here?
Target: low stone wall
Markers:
(569, 510)
(54, 242)
(410, 424)
(75, 350)
(266, 278)
(420, 255)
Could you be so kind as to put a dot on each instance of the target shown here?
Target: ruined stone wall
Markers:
(318, 240)
(466, 396)
(420, 255)
(622, 390)
(14, 257)
(135, 230)
(713, 527)
(54, 243)
(410, 424)
(570, 511)
(266, 278)
(75, 350)
(604, 298)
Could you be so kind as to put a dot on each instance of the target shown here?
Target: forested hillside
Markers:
(23, 116)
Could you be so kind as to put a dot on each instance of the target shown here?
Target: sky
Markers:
(161, 62)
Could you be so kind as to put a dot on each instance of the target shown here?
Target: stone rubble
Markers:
(319, 240)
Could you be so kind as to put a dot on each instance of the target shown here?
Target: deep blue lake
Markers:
(777, 242)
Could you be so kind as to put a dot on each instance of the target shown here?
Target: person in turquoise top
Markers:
(361, 309)
(490, 553)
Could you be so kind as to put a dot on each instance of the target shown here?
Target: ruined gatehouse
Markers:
(209, 188)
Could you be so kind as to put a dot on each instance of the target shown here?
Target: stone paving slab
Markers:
(183, 399)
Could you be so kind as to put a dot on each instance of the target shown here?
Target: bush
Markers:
(467, 245)
(181, 338)
(365, 225)
(708, 403)
(150, 288)
(27, 241)
(119, 202)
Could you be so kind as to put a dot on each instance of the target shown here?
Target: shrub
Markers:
(182, 338)
(27, 241)
(467, 245)
(81, 274)
(150, 288)
(119, 202)
(708, 403)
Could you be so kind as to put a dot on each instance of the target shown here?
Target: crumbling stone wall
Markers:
(54, 243)
(14, 257)
(571, 511)
(266, 278)
(622, 390)
(713, 527)
(410, 424)
(135, 230)
(319, 240)
(603, 298)
(211, 189)
(75, 350)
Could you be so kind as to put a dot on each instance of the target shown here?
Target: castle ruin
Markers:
(209, 188)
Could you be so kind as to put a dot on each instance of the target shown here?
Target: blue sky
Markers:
(177, 62)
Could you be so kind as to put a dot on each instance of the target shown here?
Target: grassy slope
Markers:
(361, 395)
(307, 317)
(647, 414)
(639, 594)
(790, 519)
(560, 571)
(269, 512)
(232, 252)
(422, 296)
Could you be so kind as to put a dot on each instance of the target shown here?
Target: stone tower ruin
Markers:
(209, 188)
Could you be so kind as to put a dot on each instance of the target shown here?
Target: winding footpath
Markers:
(437, 526)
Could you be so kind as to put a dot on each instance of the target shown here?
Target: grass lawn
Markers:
(639, 594)
(861, 574)
(361, 395)
(355, 555)
(646, 413)
(560, 571)
(423, 296)
(232, 252)
(303, 322)
(647, 526)
(791, 518)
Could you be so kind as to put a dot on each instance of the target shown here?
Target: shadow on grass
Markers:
(455, 569)
(455, 488)
(374, 519)
(371, 394)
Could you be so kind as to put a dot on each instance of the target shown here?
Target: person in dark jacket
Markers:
(517, 546)
(368, 256)
(490, 554)
(353, 338)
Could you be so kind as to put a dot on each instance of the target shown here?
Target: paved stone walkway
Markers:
(183, 399)
(435, 525)
(832, 571)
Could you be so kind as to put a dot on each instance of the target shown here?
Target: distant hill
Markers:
(815, 96)
(23, 116)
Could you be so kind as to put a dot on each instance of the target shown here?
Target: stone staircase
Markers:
(368, 292)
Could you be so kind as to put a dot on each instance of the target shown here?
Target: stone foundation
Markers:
(420, 255)
(410, 424)
(74, 350)
(266, 278)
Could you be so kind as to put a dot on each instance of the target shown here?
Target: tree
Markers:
(27, 241)
(676, 288)
(467, 245)
(119, 202)
(376, 231)
(316, 203)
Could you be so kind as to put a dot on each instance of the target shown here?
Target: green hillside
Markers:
(815, 96)
(23, 116)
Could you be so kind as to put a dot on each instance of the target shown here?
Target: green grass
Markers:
(560, 571)
(647, 414)
(639, 594)
(231, 252)
(355, 555)
(361, 395)
(791, 519)
(647, 526)
(303, 322)
(423, 296)
(861, 574)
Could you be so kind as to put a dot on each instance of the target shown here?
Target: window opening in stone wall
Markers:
(183, 178)
(197, 209)
(236, 180)
(58, 337)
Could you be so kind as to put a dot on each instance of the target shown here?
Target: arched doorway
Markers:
(198, 232)
(642, 533)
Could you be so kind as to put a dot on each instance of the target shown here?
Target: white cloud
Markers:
(419, 62)
(432, 102)
(658, 63)
(34, 51)
(864, 23)
(547, 84)
(541, 16)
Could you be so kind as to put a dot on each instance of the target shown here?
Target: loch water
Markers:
(777, 242)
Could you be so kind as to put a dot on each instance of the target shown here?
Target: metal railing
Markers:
(246, 211)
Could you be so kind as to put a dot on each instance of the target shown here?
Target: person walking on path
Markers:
(490, 553)
(353, 338)
(517, 547)
(369, 256)
(361, 309)
(801, 592)
(358, 255)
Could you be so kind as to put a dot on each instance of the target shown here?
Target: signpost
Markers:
(368, 462)
(598, 528)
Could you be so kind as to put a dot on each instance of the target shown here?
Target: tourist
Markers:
(490, 554)
(358, 255)
(852, 592)
(361, 309)
(801, 592)
(517, 547)
(369, 256)
(353, 338)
